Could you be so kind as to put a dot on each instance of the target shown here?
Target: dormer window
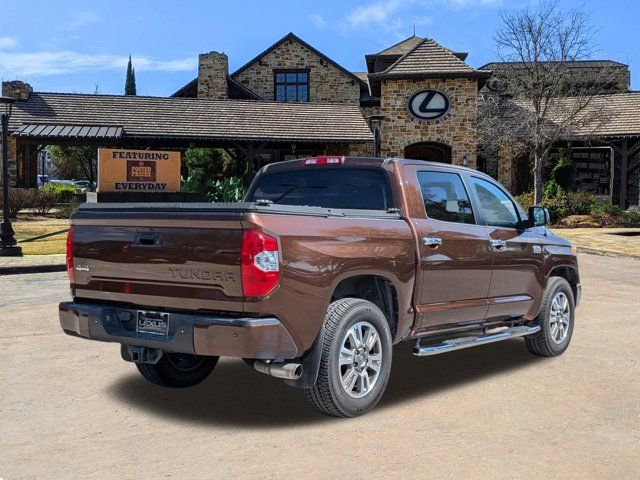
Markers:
(292, 86)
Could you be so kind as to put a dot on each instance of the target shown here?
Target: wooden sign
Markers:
(138, 170)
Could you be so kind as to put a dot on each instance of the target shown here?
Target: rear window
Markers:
(350, 188)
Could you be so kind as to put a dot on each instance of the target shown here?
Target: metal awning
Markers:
(69, 131)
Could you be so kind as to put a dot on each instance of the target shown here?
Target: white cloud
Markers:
(379, 12)
(318, 20)
(22, 64)
(7, 43)
(393, 14)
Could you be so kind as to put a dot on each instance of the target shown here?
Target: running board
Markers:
(466, 342)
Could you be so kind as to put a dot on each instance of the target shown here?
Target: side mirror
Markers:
(539, 216)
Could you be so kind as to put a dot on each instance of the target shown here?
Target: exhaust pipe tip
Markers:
(287, 371)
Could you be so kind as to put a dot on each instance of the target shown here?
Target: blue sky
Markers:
(73, 45)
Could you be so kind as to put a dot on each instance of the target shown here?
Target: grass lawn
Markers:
(602, 239)
(29, 226)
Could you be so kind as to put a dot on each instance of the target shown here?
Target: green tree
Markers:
(130, 82)
(204, 167)
(75, 162)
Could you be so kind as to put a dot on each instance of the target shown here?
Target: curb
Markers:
(19, 269)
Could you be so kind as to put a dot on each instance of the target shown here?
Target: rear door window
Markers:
(341, 188)
(445, 197)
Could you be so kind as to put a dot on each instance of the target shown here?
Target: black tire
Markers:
(178, 370)
(542, 343)
(328, 394)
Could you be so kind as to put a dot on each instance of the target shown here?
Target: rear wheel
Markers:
(556, 320)
(356, 359)
(178, 370)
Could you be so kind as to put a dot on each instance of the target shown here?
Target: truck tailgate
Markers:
(159, 258)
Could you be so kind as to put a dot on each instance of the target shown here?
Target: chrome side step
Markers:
(466, 342)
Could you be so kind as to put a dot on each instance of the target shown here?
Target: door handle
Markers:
(498, 244)
(433, 242)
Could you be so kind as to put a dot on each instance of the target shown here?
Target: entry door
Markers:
(517, 280)
(455, 254)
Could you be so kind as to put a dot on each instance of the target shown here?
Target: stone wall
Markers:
(456, 129)
(16, 89)
(213, 68)
(20, 91)
(11, 157)
(326, 82)
(362, 149)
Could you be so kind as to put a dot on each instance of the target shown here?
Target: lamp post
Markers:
(375, 121)
(8, 242)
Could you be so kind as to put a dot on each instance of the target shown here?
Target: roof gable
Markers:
(427, 57)
(292, 37)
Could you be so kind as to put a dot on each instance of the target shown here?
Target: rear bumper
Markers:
(259, 338)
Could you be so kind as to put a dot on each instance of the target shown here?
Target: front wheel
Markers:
(356, 359)
(556, 320)
(178, 370)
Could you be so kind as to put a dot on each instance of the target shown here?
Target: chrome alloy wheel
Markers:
(360, 359)
(559, 317)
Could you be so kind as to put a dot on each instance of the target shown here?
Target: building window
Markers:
(292, 86)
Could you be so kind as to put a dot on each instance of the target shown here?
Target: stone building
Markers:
(416, 99)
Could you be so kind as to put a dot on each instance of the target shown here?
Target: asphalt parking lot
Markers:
(72, 408)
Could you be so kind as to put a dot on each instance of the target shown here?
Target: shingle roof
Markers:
(574, 64)
(362, 76)
(428, 58)
(192, 118)
(620, 112)
(402, 47)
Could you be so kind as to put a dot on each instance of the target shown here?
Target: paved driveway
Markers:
(71, 408)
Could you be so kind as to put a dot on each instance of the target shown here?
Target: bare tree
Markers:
(537, 95)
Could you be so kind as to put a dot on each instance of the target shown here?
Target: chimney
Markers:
(16, 89)
(213, 68)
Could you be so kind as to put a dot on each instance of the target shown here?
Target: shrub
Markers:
(65, 210)
(526, 200)
(43, 201)
(228, 190)
(562, 205)
(606, 209)
(564, 173)
(62, 193)
(551, 189)
(19, 199)
(631, 218)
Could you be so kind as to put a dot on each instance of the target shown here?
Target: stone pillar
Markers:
(16, 89)
(505, 167)
(213, 68)
(20, 91)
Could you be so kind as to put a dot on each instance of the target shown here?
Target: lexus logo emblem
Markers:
(428, 104)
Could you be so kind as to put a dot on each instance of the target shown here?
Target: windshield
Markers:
(349, 188)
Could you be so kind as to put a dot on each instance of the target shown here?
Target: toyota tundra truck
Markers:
(327, 264)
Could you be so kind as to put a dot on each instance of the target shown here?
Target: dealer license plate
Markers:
(154, 323)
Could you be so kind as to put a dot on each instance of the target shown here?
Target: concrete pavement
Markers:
(70, 408)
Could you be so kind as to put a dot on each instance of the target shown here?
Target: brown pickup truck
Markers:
(327, 264)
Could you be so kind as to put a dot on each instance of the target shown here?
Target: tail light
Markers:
(72, 277)
(323, 161)
(260, 263)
